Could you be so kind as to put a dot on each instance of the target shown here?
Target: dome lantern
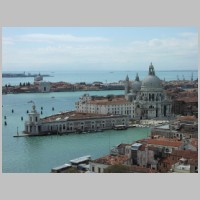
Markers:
(151, 70)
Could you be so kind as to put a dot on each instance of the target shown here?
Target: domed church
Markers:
(148, 97)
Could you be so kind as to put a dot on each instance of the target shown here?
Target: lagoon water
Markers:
(103, 76)
(40, 154)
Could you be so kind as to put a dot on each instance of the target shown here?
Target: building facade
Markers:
(44, 86)
(72, 121)
(115, 106)
(142, 100)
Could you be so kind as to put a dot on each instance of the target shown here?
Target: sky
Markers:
(99, 48)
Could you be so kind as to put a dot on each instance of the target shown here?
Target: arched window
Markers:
(152, 97)
(149, 97)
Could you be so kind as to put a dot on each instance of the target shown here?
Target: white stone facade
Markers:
(143, 100)
(124, 108)
(44, 86)
(98, 167)
(33, 124)
(69, 122)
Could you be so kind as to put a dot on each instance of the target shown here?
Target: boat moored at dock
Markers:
(120, 127)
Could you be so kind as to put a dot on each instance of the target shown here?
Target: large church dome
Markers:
(151, 81)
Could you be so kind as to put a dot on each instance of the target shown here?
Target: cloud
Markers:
(175, 51)
(189, 34)
(184, 45)
(7, 41)
(49, 38)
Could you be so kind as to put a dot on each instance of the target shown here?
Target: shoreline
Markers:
(38, 87)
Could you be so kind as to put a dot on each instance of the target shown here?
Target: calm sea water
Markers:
(103, 76)
(40, 154)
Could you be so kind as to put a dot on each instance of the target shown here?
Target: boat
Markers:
(120, 127)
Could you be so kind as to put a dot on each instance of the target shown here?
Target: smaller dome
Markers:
(136, 86)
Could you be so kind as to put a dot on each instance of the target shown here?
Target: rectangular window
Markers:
(99, 170)
(93, 169)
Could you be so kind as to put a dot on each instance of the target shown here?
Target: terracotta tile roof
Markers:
(167, 160)
(71, 115)
(188, 154)
(151, 148)
(105, 101)
(188, 99)
(187, 118)
(164, 142)
(111, 159)
(142, 141)
(194, 142)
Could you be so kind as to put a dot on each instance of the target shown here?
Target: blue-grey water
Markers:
(103, 76)
(40, 154)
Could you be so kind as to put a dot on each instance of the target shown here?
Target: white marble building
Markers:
(71, 121)
(143, 100)
(116, 106)
(148, 97)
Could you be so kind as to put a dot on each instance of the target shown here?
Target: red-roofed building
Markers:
(167, 144)
(102, 163)
(166, 163)
(186, 106)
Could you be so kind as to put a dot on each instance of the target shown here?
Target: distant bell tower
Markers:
(137, 78)
(127, 87)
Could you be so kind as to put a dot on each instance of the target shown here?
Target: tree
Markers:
(20, 84)
(117, 169)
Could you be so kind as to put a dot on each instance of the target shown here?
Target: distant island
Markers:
(17, 75)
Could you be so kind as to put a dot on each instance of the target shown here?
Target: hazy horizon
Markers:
(88, 70)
